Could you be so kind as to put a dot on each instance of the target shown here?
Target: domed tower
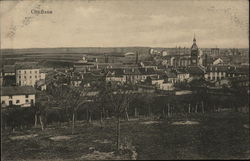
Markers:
(194, 53)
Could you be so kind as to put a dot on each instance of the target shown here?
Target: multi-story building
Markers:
(20, 96)
(215, 73)
(116, 75)
(219, 72)
(215, 51)
(28, 76)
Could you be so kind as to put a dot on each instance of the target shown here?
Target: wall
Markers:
(28, 77)
(22, 100)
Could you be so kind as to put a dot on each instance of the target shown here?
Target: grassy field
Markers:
(216, 136)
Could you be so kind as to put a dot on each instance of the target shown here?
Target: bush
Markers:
(16, 117)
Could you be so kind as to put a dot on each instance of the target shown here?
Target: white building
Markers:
(164, 53)
(217, 61)
(28, 76)
(167, 86)
(214, 73)
(21, 96)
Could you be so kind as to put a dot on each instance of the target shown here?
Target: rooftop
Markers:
(9, 68)
(147, 71)
(17, 90)
(195, 70)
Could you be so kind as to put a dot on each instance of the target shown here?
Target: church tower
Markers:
(194, 53)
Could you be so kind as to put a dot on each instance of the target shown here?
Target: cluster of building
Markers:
(164, 72)
(19, 83)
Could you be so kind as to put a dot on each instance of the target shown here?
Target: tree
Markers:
(41, 107)
(117, 98)
(71, 98)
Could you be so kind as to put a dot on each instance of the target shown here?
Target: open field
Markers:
(211, 136)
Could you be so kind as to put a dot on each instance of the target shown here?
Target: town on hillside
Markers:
(178, 85)
(124, 80)
(162, 72)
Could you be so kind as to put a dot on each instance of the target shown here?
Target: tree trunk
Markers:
(41, 122)
(163, 112)
(35, 120)
(73, 123)
(107, 113)
(168, 110)
(149, 111)
(89, 117)
(126, 112)
(135, 112)
(189, 108)
(87, 114)
(196, 107)
(101, 121)
(202, 105)
(103, 113)
(101, 117)
(118, 134)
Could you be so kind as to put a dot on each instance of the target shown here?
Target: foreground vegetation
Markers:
(221, 135)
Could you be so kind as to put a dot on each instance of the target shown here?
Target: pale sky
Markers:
(121, 23)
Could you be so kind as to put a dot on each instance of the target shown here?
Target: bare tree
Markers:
(119, 98)
(71, 98)
(41, 107)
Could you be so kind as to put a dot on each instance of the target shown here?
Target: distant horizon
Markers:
(123, 47)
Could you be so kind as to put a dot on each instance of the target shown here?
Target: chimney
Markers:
(136, 59)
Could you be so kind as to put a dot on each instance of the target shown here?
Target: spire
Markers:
(194, 40)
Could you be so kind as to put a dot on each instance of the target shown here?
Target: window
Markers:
(30, 72)
(26, 96)
(19, 71)
(30, 77)
(19, 77)
(32, 101)
(10, 97)
(27, 101)
(24, 77)
(10, 103)
(35, 71)
(25, 72)
(35, 76)
(3, 102)
(17, 101)
(20, 83)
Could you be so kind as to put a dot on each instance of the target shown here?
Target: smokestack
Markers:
(136, 59)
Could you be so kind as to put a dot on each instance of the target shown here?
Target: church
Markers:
(185, 60)
(196, 55)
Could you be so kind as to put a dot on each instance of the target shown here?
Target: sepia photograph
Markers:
(124, 80)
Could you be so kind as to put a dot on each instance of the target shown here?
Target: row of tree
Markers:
(63, 103)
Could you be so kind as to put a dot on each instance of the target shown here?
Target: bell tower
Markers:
(194, 53)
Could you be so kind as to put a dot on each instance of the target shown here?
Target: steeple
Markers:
(194, 46)
(194, 40)
(194, 52)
